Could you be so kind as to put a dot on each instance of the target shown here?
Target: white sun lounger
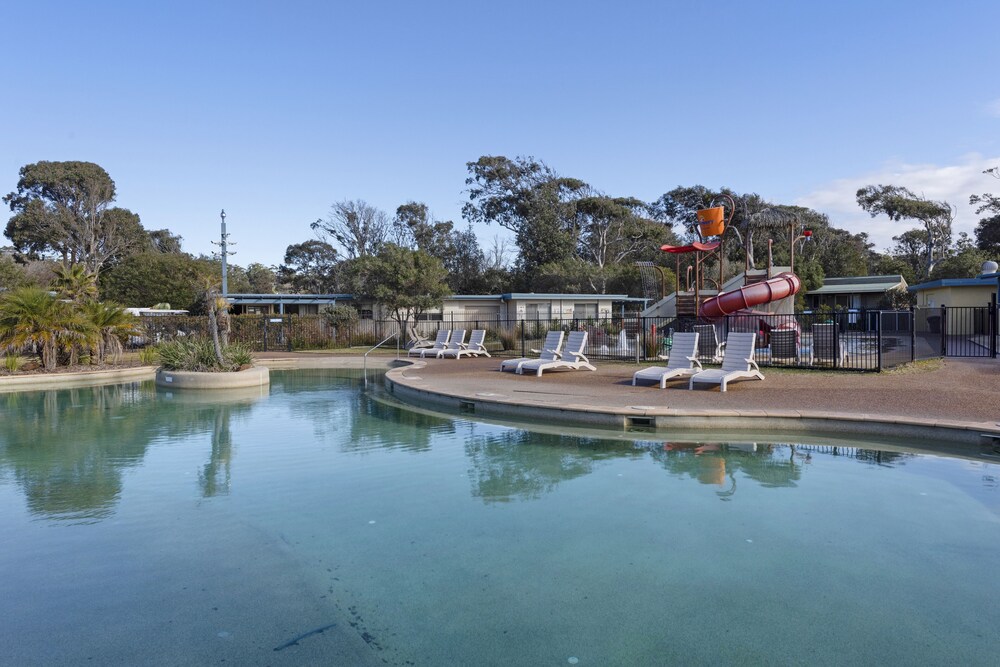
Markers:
(737, 363)
(473, 348)
(550, 351)
(440, 342)
(455, 344)
(572, 357)
(683, 362)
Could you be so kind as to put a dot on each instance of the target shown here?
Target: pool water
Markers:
(319, 524)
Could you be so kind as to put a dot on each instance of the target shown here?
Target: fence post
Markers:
(524, 352)
(263, 330)
(878, 342)
(838, 320)
(913, 334)
(944, 328)
(642, 328)
(992, 329)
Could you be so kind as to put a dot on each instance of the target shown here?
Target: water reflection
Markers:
(375, 424)
(718, 464)
(68, 450)
(771, 465)
(524, 465)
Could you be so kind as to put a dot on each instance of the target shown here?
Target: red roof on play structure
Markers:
(694, 247)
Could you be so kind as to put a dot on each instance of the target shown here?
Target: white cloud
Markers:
(952, 183)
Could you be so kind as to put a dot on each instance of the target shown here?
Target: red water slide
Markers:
(778, 287)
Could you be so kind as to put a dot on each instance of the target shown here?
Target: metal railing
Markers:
(364, 363)
(864, 340)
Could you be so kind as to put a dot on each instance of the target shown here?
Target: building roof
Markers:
(952, 282)
(314, 299)
(532, 295)
(859, 285)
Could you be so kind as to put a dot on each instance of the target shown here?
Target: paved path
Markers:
(958, 390)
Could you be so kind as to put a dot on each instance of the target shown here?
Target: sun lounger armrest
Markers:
(694, 360)
(580, 355)
(752, 362)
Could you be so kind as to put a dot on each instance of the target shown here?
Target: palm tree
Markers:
(30, 316)
(76, 283)
(111, 323)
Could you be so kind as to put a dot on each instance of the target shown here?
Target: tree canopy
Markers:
(357, 226)
(309, 267)
(63, 209)
(899, 203)
(405, 281)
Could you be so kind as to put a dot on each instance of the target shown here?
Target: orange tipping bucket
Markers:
(712, 221)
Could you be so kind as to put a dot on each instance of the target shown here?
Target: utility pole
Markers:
(224, 252)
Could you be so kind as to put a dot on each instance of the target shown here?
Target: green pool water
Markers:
(318, 524)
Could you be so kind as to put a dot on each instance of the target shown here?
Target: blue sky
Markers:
(274, 111)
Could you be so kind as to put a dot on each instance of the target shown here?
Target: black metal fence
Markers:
(956, 331)
(857, 340)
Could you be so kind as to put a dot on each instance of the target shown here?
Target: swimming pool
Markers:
(318, 523)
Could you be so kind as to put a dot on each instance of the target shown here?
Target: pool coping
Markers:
(413, 389)
(40, 381)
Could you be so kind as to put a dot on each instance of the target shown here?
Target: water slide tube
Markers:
(778, 287)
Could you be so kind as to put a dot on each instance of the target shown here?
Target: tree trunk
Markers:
(48, 352)
(213, 326)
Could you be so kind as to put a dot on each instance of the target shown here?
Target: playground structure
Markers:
(701, 295)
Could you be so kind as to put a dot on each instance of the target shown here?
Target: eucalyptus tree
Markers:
(614, 231)
(262, 278)
(165, 241)
(357, 226)
(988, 229)
(527, 197)
(458, 251)
(678, 208)
(64, 208)
(965, 260)
(899, 203)
(309, 267)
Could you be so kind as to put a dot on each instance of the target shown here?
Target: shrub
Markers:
(239, 355)
(148, 355)
(199, 355)
(11, 362)
(508, 338)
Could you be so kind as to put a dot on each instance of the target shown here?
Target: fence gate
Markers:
(966, 331)
(276, 333)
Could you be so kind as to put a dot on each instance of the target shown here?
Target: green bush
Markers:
(148, 355)
(199, 355)
(509, 338)
(11, 362)
(239, 355)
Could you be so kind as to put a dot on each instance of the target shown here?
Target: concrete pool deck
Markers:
(958, 398)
